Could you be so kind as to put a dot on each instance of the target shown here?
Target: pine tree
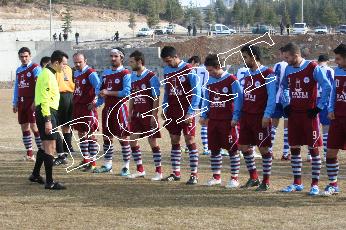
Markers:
(132, 22)
(67, 18)
(153, 14)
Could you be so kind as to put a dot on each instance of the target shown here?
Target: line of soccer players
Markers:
(236, 114)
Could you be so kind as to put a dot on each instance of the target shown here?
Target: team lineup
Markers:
(236, 112)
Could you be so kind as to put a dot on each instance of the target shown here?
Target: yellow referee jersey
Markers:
(65, 81)
(47, 91)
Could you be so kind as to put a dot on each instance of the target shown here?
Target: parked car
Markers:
(160, 30)
(170, 29)
(321, 30)
(262, 29)
(220, 29)
(144, 32)
(342, 29)
(300, 28)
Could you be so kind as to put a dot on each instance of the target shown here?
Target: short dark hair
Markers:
(138, 56)
(58, 55)
(79, 54)
(341, 49)
(195, 59)
(168, 51)
(212, 60)
(292, 48)
(323, 58)
(44, 61)
(23, 50)
(252, 50)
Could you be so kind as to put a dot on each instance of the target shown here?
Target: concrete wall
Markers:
(98, 58)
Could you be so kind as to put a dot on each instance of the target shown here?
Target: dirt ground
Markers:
(109, 201)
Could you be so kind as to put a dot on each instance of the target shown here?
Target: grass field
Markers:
(109, 201)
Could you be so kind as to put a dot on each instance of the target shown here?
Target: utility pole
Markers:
(50, 20)
(302, 11)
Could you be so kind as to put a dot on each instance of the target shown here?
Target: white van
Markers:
(300, 28)
(220, 29)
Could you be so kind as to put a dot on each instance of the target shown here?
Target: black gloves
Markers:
(312, 113)
(287, 110)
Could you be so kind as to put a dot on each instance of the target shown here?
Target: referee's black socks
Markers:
(48, 165)
(38, 163)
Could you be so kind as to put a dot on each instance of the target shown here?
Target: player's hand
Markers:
(15, 109)
(92, 105)
(265, 122)
(154, 121)
(203, 121)
(287, 110)
(234, 123)
(129, 118)
(104, 93)
(188, 119)
(331, 116)
(48, 127)
(312, 113)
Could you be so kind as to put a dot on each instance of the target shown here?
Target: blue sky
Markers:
(199, 2)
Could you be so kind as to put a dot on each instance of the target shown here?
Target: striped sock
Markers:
(193, 156)
(325, 139)
(175, 159)
(204, 137)
(84, 147)
(93, 150)
(137, 157)
(272, 134)
(286, 146)
(216, 164)
(27, 142)
(316, 165)
(108, 151)
(38, 140)
(250, 164)
(332, 170)
(234, 165)
(267, 160)
(157, 159)
(126, 152)
(296, 164)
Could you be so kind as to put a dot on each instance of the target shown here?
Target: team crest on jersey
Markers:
(28, 74)
(337, 82)
(225, 90)
(84, 81)
(116, 81)
(306, 80)
(257, 84)
(143, 86)
(182, 79)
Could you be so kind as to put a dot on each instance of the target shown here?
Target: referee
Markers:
(47, 102)
(66, 88)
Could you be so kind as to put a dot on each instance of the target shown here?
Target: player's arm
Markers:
(15, 96)
(271, 92)
(95, 82)
(37, 70)
(165, 99)
(238, 100)
(155, 92)
(196, 93)
(100, 100)
(285, 97)
(205, 108)
(331, 106)
(321, 78)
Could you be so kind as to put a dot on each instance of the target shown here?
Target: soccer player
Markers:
(203, 76)
(145, 88)
(66, 88)
(300, 105)
(255, 121)
(47, 103)
(23, 100)
(221, 110)
(87, 86)
(279, 69)
(181, 99)
(323, 60)
(337, 115)
(116, 86)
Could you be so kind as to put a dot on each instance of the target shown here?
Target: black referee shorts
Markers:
(65, 108)
(41, 124)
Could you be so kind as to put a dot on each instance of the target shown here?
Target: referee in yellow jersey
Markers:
(66, 88)
(47, 98)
